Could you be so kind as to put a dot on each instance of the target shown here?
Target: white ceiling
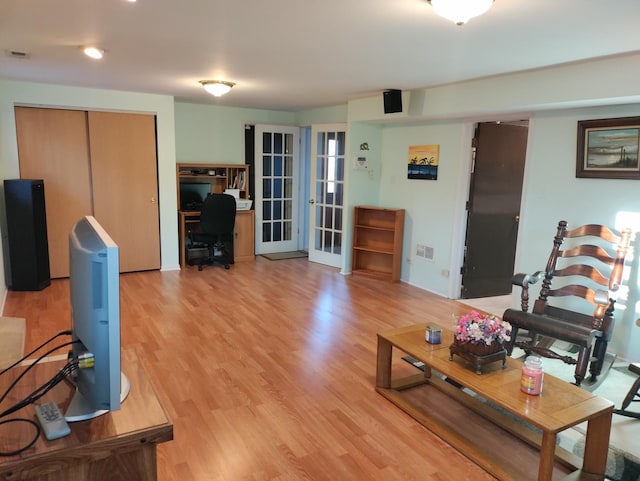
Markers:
(300, 54)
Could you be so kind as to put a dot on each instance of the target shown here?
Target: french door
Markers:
(326, 213)
(277, 163)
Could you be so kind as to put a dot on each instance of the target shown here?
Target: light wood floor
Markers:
(267, 371)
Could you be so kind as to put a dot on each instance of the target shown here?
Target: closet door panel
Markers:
(53, 146)
(125, 185)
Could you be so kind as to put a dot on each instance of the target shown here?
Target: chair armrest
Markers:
(602, 297)
(524, 281)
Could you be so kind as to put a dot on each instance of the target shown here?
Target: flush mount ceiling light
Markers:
(460, 11)
(217, 88)
(93, 52)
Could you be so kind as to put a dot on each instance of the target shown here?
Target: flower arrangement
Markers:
(479, 328)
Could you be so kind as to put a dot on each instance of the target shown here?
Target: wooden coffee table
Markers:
(502, 429)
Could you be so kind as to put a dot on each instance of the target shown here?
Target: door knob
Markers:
(311, 201)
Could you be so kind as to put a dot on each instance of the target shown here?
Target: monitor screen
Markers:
(94, 285)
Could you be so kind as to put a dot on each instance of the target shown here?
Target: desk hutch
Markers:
(215, 178)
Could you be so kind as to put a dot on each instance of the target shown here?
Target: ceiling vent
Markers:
(18, 54)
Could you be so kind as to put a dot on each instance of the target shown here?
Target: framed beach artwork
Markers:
(423, 162)
(608, 148)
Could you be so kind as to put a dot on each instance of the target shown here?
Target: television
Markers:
(94, 284)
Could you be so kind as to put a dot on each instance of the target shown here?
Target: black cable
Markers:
(60, 376)
(31, 443)
(26, 356)
(31, 367)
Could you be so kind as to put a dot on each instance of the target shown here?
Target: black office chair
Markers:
(215, 232)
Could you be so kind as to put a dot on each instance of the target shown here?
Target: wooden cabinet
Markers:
(244, 238)
(377, 242)
(194, 182)
(94, 163)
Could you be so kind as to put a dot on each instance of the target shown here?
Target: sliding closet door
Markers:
(125, 185)
(53, 146)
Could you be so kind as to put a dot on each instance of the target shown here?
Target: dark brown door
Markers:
(494, 209)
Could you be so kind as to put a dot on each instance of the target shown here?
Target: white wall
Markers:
(431, 206)
(44, 95)
(552, 193)
(215, 135)
(435, 210)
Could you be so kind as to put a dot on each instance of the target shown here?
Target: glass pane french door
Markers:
(276, 165)
(328, 148)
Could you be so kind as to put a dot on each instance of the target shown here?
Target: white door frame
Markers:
(276, 190)
(327, 194)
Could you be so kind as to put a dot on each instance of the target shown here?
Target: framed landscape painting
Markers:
(608, 148)
(423, 162)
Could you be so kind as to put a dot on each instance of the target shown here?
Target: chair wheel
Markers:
(200, 267)
(226, 266)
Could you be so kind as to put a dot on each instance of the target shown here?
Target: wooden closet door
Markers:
(53, 146)
(125, 185)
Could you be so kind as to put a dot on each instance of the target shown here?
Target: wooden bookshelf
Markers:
(377, 242)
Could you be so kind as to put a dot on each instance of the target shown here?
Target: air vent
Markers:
(18, 54)
(424, 251)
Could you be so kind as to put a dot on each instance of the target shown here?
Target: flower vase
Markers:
(478, 354)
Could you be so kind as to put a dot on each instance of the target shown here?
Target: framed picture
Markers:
(423, 162)
(608, 148)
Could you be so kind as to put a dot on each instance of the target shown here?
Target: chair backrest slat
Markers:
(585, 271)
(582, 263)
(587, 250)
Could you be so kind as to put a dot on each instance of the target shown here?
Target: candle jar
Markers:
(433, 335)
(531, 380)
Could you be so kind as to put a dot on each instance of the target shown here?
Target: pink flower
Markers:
(482, 329)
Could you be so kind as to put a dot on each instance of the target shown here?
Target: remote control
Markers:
(52, 421)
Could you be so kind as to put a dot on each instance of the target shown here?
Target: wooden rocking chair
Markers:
(632, 396)
(578, 272)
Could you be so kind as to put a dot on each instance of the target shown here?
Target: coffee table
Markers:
(492, 410)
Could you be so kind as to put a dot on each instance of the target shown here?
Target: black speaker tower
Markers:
(27, 234)
(392, 101)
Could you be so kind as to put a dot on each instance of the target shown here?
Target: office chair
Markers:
(217, 221)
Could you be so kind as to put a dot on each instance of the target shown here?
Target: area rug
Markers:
(12, 332)
(277, 256)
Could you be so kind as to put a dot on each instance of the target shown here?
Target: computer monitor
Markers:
(95, 317)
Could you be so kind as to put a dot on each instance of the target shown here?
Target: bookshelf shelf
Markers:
(377, 242)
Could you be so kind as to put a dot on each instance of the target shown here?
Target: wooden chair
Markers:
(632, 396)
(589, 269)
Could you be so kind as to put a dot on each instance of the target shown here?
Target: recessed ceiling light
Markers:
(93, 52)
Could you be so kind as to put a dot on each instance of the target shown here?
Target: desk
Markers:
(447, 411)
(117, 446)
(243, 235)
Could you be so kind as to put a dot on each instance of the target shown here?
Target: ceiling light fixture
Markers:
(93, 52)
(460, 11)
(217, 88)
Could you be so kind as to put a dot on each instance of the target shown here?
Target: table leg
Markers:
(383, 369)
(547, 456)
(597, 444)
